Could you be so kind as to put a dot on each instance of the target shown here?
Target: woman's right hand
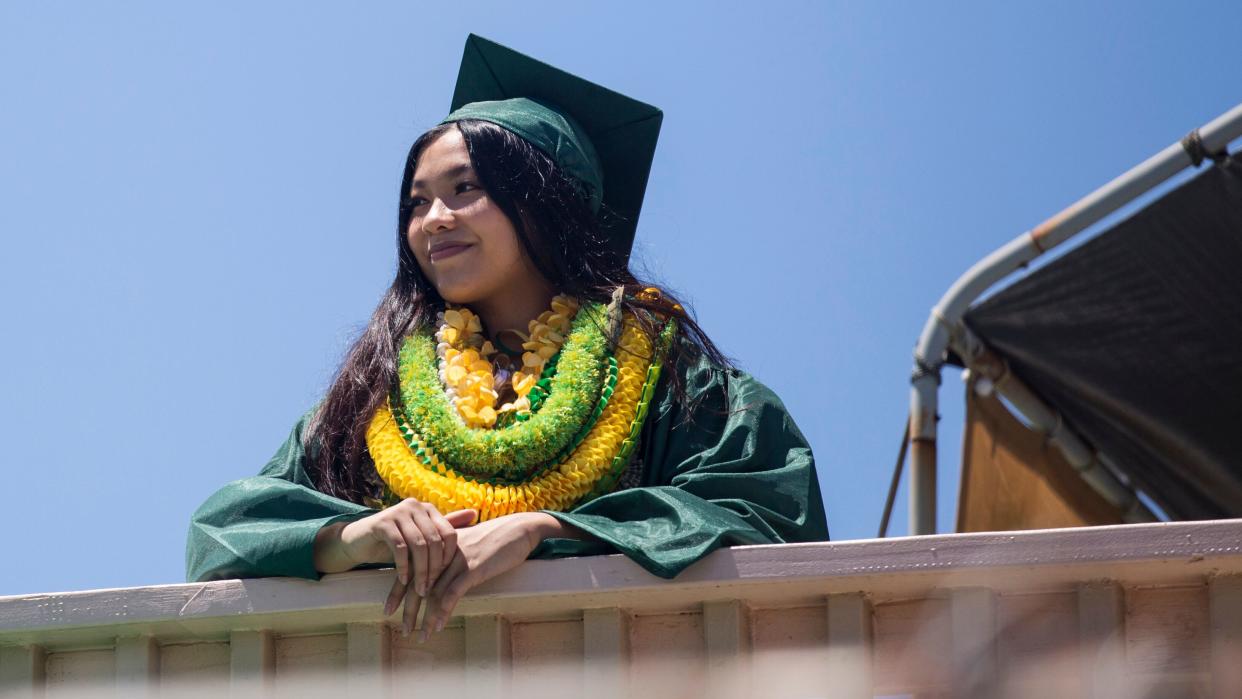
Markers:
(413, 536)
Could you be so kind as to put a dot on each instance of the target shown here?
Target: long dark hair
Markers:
(566, 241)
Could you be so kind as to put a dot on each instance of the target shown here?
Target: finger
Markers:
(437, 611)
(394, 596)
(410, 616)
(415, 529)
(417, 546)
(448, 548)
(456, 589)
(400, 550)
(462, 518)
(432, 524)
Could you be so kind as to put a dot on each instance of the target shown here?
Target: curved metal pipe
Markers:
(1089, 464)
(944, 323)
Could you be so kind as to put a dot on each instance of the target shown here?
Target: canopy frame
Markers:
(945, 330)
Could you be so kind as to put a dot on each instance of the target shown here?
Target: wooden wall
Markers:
(1140, 611)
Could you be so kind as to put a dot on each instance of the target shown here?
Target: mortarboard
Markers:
(604, 139)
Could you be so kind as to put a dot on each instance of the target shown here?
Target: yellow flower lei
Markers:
(466, 370)
(589, 470)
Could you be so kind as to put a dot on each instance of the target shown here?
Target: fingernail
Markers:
(421, 590)
(422, 636)
(439, 626)
(405, 631)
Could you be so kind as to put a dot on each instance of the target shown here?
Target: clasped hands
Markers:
(438, 557)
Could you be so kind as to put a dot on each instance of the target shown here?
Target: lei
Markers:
(469, 378)
(565, 438)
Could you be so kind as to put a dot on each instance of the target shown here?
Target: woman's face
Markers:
(462, 240)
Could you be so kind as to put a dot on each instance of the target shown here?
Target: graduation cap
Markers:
(602, 138)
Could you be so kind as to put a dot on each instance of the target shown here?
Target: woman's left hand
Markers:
(484, 551)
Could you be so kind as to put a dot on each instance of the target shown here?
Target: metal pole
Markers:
(1043, 419)
(945, 319)
(923, 399)
(895, 482)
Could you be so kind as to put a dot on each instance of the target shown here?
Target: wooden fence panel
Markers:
(1107, 613)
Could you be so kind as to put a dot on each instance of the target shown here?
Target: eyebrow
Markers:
(450, 173)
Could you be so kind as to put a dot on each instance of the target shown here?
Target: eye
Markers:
(463, 187)
(411, 203)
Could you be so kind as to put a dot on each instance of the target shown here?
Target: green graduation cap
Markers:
(604, 139)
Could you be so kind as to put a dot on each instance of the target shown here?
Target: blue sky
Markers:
(199, 201)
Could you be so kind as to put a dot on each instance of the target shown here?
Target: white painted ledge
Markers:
(882, 569)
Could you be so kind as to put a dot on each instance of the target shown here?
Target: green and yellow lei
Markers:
(566, 438)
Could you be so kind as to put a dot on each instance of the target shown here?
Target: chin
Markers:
(459, 295)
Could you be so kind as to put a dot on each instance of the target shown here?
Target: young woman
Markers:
(518, 392)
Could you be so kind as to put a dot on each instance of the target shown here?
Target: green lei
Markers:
(571, 400)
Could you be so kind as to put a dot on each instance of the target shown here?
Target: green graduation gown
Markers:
(737, 472)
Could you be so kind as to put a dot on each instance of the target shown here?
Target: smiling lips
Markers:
(445, 250)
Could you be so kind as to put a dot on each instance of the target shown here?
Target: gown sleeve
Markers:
(266, 525)
(732, 470)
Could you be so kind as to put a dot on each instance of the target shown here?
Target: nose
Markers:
(439, 217)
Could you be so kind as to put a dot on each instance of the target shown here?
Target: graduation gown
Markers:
(737, 472)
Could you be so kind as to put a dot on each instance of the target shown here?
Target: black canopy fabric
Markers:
(1136, 338)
